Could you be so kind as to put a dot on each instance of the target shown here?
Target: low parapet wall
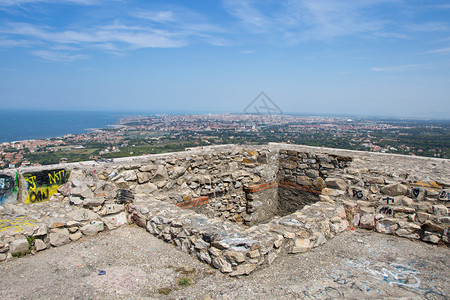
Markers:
(234, 207)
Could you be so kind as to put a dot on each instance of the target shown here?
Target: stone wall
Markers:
(392, 194)
(234, 207)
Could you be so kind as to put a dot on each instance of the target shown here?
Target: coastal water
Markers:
(16, 125)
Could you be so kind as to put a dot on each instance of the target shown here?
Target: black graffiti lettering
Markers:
(39, 196)
(389, 199)
(386, 210)
(416, 192)
(443, 195)
(357, 194)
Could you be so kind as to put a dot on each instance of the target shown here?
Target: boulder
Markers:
(39, 245)
(92, 228)
(115, 221)
(93, 202)
(222, 264)
(335, 183)
(143, 177)
(82, 191)
(146, 188)
(82, 215)
(59, 237)
(301, 245)
(395, 189)
(367, 221)
(19, 246)
(160, 174)
(386, 226)
(243, 269)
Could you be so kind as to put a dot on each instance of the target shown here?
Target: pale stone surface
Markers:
(39, 245)
(19, 246)
(75, 236)
(93, 202)
(221, 264)
(114, 221)
(92, 228)
(82, 215)
(395, 189)
(301, 245)
(59, 237)
(367, 221)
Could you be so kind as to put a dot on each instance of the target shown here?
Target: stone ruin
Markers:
(236, 208)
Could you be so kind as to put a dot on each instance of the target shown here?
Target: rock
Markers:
(56, 225)
(82, 215)
(431, 238)
(179, 171)
(129, 175)
(243, 269)
(115, 221)
(75, 236)
(409, 226)
(82, 191)
(312, 173)
(110, 209)
(4, 247)
(3, 256)
(203, 255)
(160, 174)
(336, 183)
(75, 200)
(65, 189)
(395, 189)
(39, 245)
(146, 188)
(19, 246)
(430, 226)
(59, 237)
(93, 202)
(235, 256)
(319, 183)
(304, 180)
(367, 221)
(147, 168)
(301, 246)
(386, 226)
(407, 234)
(143, 177)
(440, 210)
(222, 264)
(92, 228)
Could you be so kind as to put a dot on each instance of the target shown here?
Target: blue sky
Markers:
(368, 57)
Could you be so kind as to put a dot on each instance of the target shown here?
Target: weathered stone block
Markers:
(19, 246)
(395, 189)
(92, 228)
(59, 237)
(367, 221)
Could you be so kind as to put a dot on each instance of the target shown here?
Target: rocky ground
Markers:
(355, 264)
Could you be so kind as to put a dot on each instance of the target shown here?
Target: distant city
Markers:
(141, 135)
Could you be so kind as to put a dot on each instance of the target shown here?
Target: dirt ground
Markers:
(136, 265)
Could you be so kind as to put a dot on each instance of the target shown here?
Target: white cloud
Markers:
(156, 16)
(21, 2)
(399, 68)
(439, 51)
(58, 56)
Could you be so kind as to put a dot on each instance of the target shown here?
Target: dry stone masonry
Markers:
(236, 208)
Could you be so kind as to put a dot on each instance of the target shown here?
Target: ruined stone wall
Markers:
(234, 207)
(302, 175)
(392, 194)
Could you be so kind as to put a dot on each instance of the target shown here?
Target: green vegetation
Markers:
(184, 282)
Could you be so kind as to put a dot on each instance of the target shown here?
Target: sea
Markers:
(17, 125)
